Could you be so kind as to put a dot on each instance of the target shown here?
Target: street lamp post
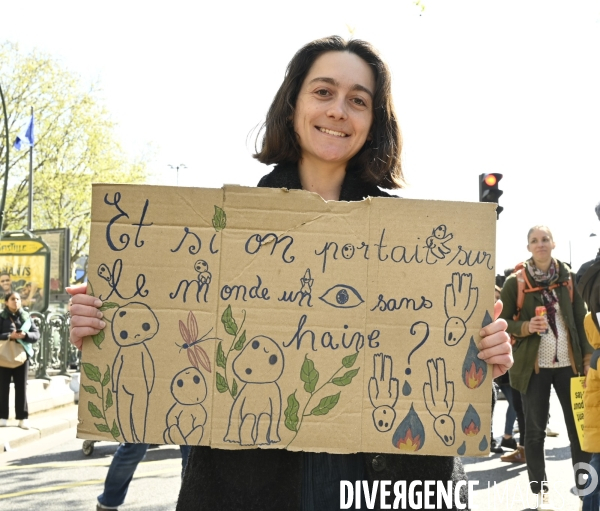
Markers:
(180, 166)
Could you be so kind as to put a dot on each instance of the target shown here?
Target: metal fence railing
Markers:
(53, 353)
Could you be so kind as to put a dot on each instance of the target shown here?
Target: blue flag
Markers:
(25, 140)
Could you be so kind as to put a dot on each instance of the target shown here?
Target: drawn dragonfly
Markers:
(196, 353)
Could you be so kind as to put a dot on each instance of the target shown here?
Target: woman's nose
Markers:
(337, 109)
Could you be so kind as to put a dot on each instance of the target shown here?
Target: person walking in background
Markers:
(588, 285)
(121, 470)
(549, 350)
(16, 326)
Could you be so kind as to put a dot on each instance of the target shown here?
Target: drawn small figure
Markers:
(439, 400)
(133, 369)
(104, 272)
(383, 392)
(186, 418)
(204, 276)
(460, 302)
(307, 283)
(256, 411)
(436, 244)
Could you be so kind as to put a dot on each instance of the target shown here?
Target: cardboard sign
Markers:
(577, 393)
(244, 317)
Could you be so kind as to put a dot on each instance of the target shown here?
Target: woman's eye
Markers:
(360, 101)
(322, 92)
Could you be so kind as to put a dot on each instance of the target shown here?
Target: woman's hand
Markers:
(538, 325)
(494, 347)
(86, 319)
(16, 335)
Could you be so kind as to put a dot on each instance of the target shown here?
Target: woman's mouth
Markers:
(332, 132)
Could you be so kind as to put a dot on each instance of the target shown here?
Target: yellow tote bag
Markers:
(577, 391)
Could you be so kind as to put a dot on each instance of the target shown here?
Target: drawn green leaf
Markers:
(95, 411)
(103, 428)
(240, 342)
(90, 388)
(309, 375)
(98, 338)
(219, 220)
(348, 361)
(325, 405)
(109, 400)
(115, 430)
(108, 305)
(228, 321)
(221, 358)
(291, 412)
(106, 378)
(222, 383)
(234, 388)
(92, 372)
(346, 379)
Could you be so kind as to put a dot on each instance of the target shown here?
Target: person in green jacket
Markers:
(548, 351)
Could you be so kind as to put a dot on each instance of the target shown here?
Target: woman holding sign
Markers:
(550, 348)
(332, 130)
(17, 327)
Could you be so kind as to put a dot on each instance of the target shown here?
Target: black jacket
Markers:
(271, 480)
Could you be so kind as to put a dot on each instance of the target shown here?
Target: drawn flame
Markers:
(410, 434)
(408, 443)
(474, 369)
(471, 429)
(473, 377)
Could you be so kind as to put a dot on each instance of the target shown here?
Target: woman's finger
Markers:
(498, 309)
(86, 321)
(90, 300)
(86, 311)
(496, 327)
(78, 289)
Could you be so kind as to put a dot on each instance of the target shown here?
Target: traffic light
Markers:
(489, 191)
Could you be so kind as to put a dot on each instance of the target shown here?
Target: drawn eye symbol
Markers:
(342, 297)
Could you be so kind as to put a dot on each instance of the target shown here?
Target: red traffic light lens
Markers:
(490, 180)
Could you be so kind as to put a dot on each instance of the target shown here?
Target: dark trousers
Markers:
(536, 404)
(19, 377)
(518, 406)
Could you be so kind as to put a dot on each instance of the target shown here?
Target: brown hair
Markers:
(8, 295)
(542, 228)
(379, 159)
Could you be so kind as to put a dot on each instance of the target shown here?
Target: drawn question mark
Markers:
(414, 332)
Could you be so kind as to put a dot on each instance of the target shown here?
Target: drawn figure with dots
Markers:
(256, 411)
(204, 276)
(186, 418)
(133, 370)
(383, 392)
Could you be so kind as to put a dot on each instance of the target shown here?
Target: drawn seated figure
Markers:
(186, 418)
(256, 411)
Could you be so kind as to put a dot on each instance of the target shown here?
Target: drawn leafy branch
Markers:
(231, 327)
(94, 374)
(219, 220)
(310, 376)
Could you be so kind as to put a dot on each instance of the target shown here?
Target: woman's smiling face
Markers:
(334, 109)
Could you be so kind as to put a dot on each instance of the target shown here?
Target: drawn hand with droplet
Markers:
(460, 302)
(383, 392)
(439, 399)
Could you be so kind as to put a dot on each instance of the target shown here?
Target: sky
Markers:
(508, 86)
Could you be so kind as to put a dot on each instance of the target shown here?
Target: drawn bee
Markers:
(195, 352)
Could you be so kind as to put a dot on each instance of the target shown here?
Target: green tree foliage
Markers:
(75, 145)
